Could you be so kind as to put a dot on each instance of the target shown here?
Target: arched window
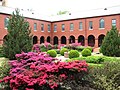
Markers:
(101, 23)
(6, 22)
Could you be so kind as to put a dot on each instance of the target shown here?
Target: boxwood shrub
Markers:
(73, 54)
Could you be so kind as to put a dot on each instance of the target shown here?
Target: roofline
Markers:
(65, 20)
(27, 17)
(84, 18)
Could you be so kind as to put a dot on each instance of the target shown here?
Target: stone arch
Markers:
(91, 40)
(100, 39)
(48, 39)
(63, 40)
(71, 39)
(81, 39)
(42, 39)
(55, 40)
(35, 40)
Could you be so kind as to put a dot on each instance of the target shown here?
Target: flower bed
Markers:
(38, 71)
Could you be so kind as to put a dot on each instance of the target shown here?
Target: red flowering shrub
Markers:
(38, 71)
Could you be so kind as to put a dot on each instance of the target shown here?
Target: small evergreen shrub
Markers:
(90, 48)
(73, 54)
(19, 37)
(52, 53)
(63, 50)
(86, 52)
(111, 43)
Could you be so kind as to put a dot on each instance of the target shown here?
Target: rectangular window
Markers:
(48, 27)
(6, 22)
(71, 26)
(35, 26)
(42, 27)
(80, 26)
(113, 22)
(90, 25)
(55, 28)
(63, 27)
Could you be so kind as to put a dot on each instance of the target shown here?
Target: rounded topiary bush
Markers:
(86, 52)
(90, 48)
(63, 50)
(73, 54)
(52, 53)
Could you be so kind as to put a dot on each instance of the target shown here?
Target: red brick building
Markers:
(87, 27)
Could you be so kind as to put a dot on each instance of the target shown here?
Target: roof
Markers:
(83, 14)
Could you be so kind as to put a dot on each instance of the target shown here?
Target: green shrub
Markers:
(4, 69)
(52, 53)
(80, 48)
(106, 77)
(1, 51)
(73, 54)
(94, 59)
(111, 43)
(90, 48)
(86, 52)
(63, 50)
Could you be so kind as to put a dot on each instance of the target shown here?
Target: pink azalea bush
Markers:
(38, 71)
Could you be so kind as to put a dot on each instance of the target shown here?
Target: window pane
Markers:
(48, 27)
(102, 23)
(63, 27)
(6, 22)
(113, 22)
(35, 26)
(55, 28)
(80, 25)
(90, 25)
(71, 26)
(42, 27)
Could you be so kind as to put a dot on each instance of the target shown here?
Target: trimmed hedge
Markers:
(52, 53)
(63, 50)
(86, 52)
(73, 54)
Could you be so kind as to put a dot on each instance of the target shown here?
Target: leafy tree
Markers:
(19, 38)
(111, 43)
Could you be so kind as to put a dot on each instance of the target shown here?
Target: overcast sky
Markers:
(49, 7)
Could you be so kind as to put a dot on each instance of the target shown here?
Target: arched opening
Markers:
(100, 39)
(63, 40)
(81, 40)
(42, 39)
(48, 39)
(35, 40)
(71, 39)
(91, 40)
(55, 40)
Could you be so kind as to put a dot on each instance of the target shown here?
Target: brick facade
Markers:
(86, 36)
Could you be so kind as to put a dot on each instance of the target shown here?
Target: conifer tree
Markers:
(19, 38)
(111, 43)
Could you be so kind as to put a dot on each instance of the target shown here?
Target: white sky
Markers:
(49, 7)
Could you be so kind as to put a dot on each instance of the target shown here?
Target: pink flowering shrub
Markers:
(38, 71)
